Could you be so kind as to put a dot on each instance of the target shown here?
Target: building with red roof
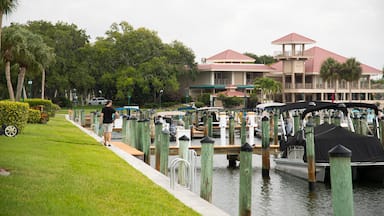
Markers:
(298, 69)
(230, 73)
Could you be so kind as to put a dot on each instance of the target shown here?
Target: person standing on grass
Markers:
(108, 115)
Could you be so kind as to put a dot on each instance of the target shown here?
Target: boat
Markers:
(367, 161)
(173, 121)
(265, 109)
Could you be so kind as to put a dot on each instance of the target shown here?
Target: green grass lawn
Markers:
(58, 170)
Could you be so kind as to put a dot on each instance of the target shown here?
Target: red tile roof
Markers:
(230, 56)
(231, 93)
(293, 38)
(235, 67)
(319, 55)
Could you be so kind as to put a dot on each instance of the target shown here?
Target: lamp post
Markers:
(74, 97)
(30, 88)
(161, 93)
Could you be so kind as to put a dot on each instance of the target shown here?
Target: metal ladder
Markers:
(190, 170)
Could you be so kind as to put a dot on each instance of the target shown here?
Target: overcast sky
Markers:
(351, 28)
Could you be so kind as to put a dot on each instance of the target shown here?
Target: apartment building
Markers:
(298, 69)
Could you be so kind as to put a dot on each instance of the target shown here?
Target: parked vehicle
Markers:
(9, 130)
(97, 101)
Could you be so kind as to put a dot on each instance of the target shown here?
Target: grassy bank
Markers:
(58, 170)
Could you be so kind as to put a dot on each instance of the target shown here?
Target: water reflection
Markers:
(283, 194)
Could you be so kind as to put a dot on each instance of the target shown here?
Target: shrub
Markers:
(14, 113)
(199, 104)
(62, 102)
(230, 102)
(205, 99)
(48, 106)
(34, 116)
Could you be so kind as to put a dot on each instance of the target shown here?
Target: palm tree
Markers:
(330, 71)
(14, 42)
(350, 72)
(268, 86)
(6, 7)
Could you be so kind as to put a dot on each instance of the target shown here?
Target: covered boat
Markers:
(367, 159)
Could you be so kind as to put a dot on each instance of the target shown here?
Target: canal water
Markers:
(282, 194)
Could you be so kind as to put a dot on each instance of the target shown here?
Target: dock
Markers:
(228, 149)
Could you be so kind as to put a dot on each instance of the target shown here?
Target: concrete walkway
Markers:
(189, 198)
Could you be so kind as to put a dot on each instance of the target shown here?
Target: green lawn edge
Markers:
(56, 169)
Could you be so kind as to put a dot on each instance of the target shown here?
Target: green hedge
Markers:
(34, 116)
(48, 106)
(14, 113)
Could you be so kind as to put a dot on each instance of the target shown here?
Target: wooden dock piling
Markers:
(245, 191)
(158, 136)
(341, 180)
(310, 151)
(164, 152)
(206, 168)
(265, 147)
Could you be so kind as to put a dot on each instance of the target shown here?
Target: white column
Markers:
(251, 126)
(223, 125)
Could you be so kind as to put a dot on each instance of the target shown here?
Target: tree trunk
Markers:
(9, 81)
(42, 83)
(20, 83)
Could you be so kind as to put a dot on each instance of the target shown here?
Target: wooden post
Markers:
(336, 119)
(245, 191)
(206, 168)
(231, 157)
(82, 114)
(205, 120)
(231, 130)
(341, 180)
(296, 123)
(310, 151)
(363, 125)
(133, 133)
(381, 123)
(164, 152)
(140, 134)
(276, 127)
(326, 118)
(210, 129)
(265, 147)
(158, 135)
(183, 154)
(243, 132)
(317, 119)
(355, 123)
(96, 124)
(146, 141)
(124, 129)
(223, 126)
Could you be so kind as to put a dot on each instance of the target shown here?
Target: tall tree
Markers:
(14, 44)
(6, 7)
(66, 40)
(330, 72)
(350, 72)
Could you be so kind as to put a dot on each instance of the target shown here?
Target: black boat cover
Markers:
(364, 148)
